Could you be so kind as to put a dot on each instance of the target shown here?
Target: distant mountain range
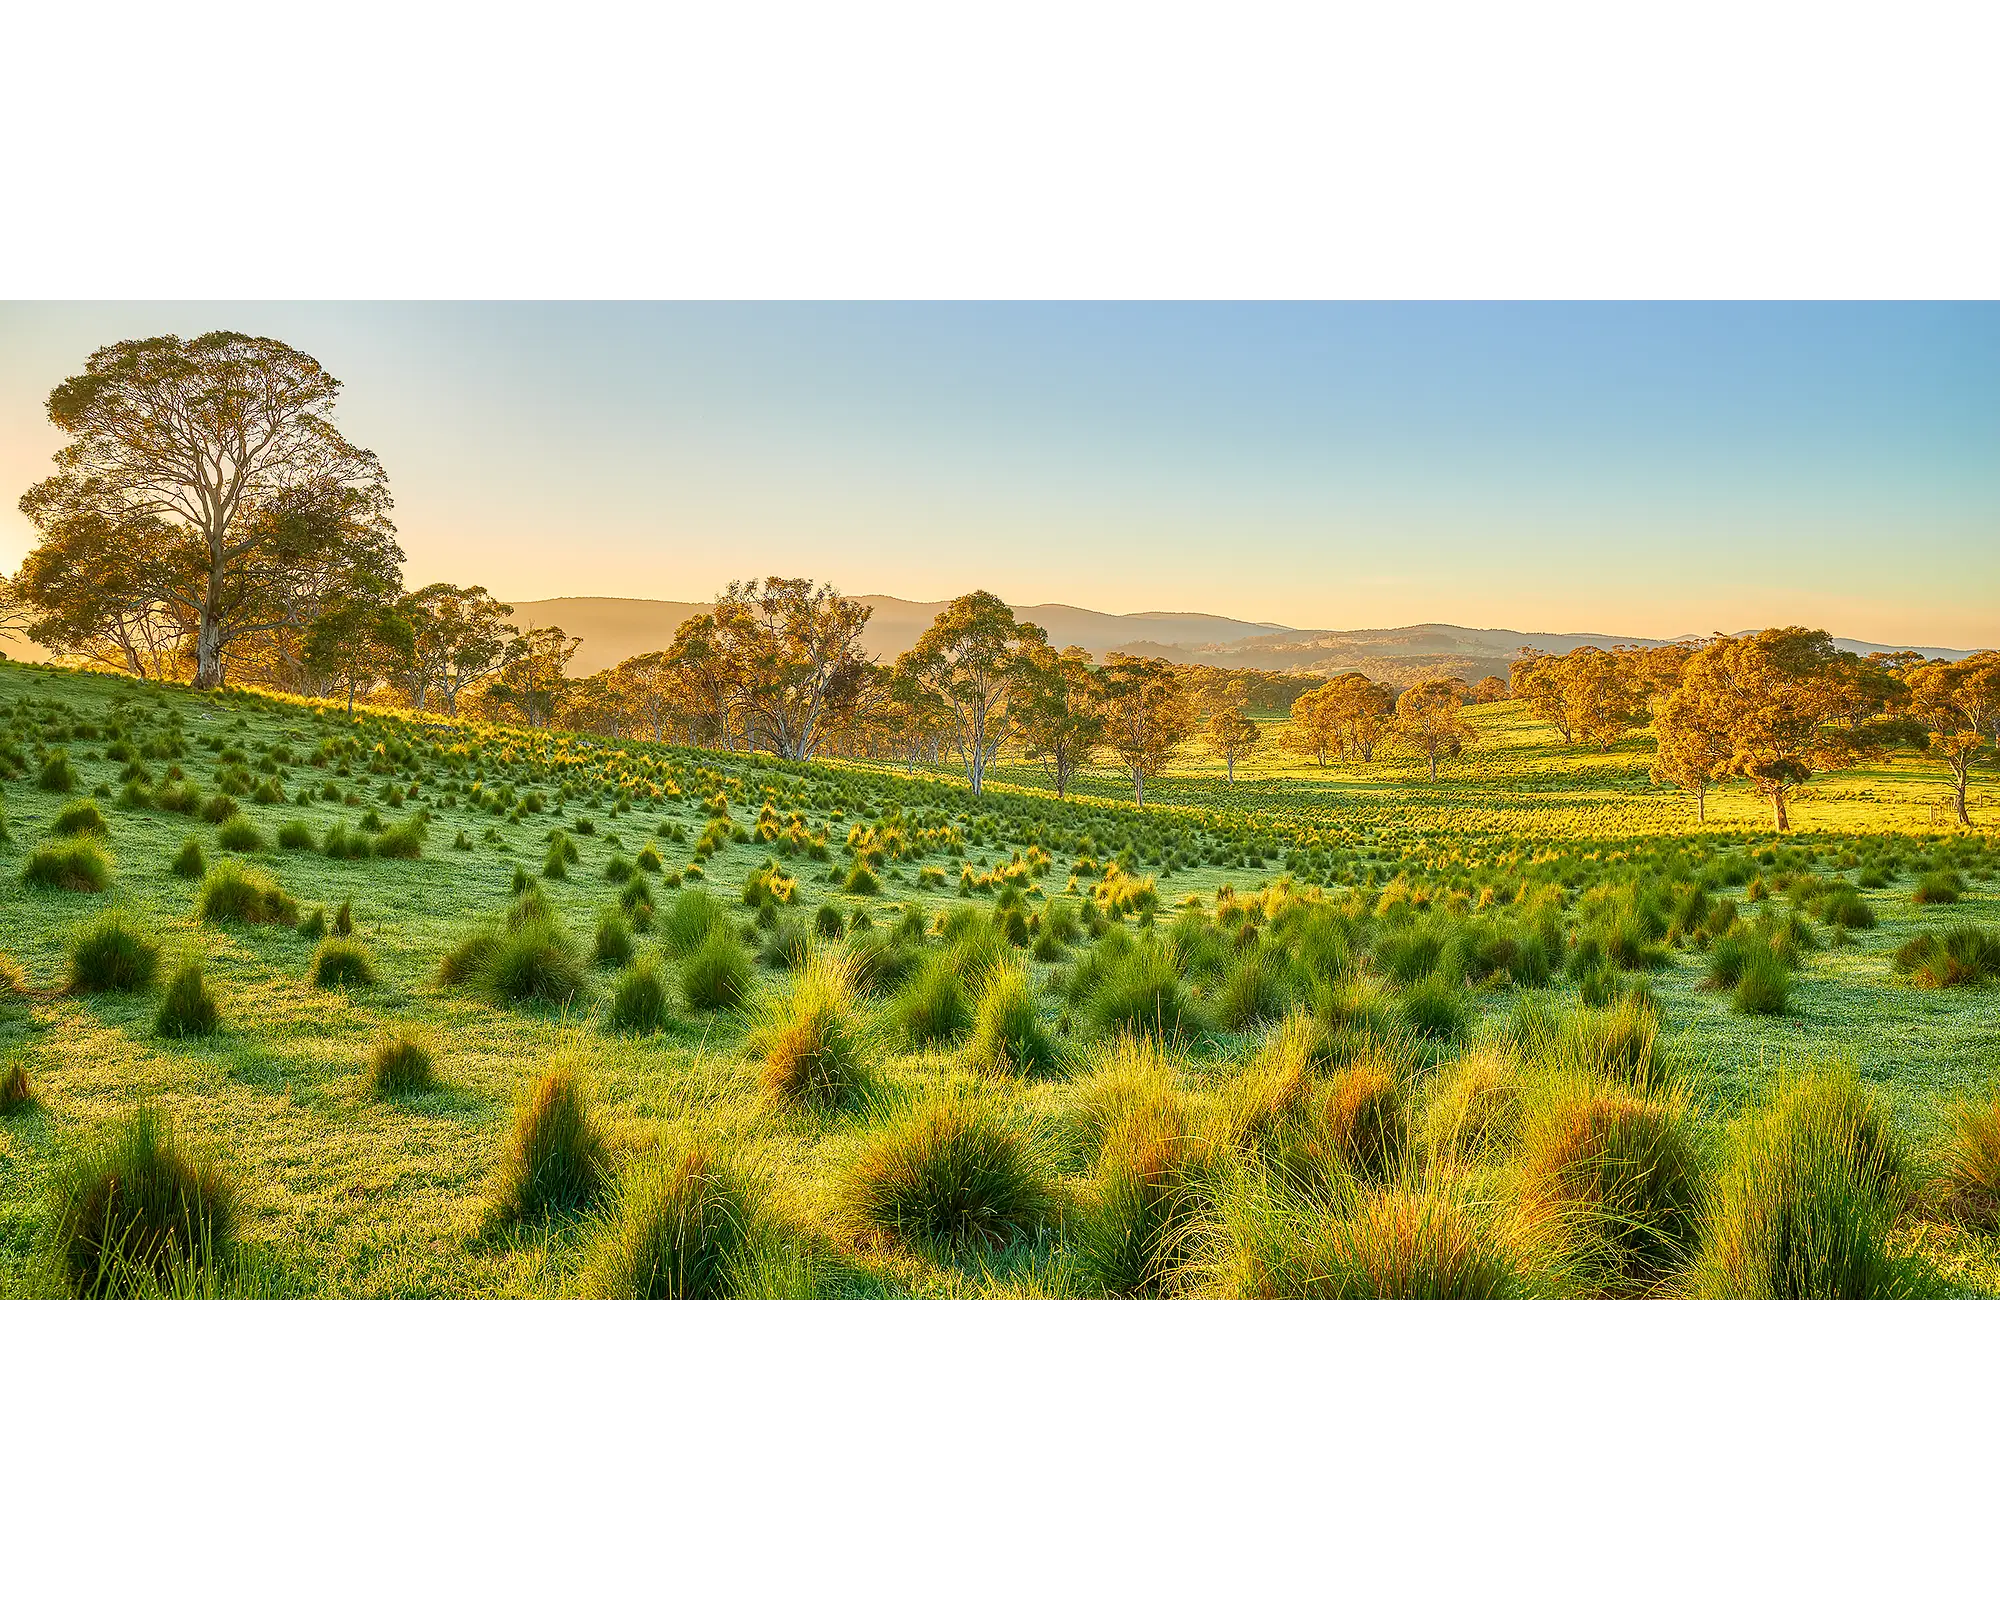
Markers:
(613, 630)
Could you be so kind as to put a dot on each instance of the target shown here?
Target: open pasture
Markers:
(451, 1009)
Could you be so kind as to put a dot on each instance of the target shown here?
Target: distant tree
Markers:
(1353, 711)
(533, 677)
(1148, 715)
(1311, 731)
(1604, 694)
(1655, 671)
(647, 687)
(1539, 678)
(1864, 690)
(1954, 703)
(85, 596)
(357, 642)
(1489, 689)
(964, 663)
(871, 722)
(704, 683)
(1773, 696)
(207, 476)
(791, 657)
(459, 637)
(1058, 710)
(1900, 662)
(1429, 720)
(1693, 753)
(1232, 736)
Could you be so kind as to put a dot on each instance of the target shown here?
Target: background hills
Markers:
(613, 630)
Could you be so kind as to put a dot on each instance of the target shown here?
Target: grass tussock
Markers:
(189, 1008)
(1971, 1175)
(949, 1173)
(1966, 954)
(639, 999)
(342, 963)
(1804, 1205)
(1622, 1175)
(1008, 1035)
(234, 891)
(76, 866)
(112, 953)
(17, 1093)
(1424, 1238)
(680, 1231)
(1474, 1108)
(139, 1210)
(535, 963)
(1618, 1043)
(555, 1158)
(401, 1063)
(715, 976)
(1137, 1224)
(808, 1038)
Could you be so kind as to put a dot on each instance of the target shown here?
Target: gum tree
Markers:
(1771, 698)
(964, 664)
(207, 476)
(1147, 716)
(1429, 720)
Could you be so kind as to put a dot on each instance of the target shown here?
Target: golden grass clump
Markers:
(682, 1224)
(1622, 1175)
(1972, 1164)
(1008, 1035)
(555, 1158)
(1427, 1238)
(1136, 1227)
(949, 1173)
(401, 1063)
(809, 1036)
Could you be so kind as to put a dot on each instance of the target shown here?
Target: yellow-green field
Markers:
(1200, 1140)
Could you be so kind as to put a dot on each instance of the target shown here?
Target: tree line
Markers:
(1774, 709)
(207, 520)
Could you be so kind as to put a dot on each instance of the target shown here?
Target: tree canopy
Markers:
(205, 490)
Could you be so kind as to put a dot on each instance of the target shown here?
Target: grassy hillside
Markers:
(1246, 1041)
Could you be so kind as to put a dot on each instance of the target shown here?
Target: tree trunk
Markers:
(1230, 762)
(1778, 810)
(1701, 806)
(1434, 763)
(1958, 796)
(208, 643)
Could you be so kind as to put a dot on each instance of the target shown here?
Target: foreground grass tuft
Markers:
(139, 1210)
(342, 964)
(77, 866)
(1804, 1206)
(679, 1232)
(809, 1037)
(555, 1157)
(112, 953)
(189, 1008)
(949, 1173)
(400, 1063)
(236, 892)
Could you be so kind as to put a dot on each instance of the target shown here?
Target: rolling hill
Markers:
(613, 630)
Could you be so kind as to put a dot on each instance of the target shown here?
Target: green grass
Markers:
(362, 1191)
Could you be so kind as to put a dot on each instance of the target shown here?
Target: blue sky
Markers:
(1647, 469)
